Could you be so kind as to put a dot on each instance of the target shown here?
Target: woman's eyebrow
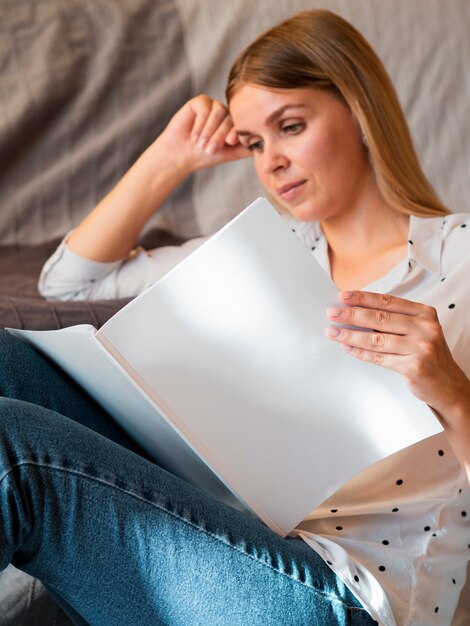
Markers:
(273, 117)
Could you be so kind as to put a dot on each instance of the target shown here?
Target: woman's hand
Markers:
(201, 134)
(408, 338)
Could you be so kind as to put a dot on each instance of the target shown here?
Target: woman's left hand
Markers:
(406, 337)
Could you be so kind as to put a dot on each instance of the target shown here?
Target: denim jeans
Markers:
(120, 541)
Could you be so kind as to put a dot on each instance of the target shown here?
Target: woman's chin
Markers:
(302, 211)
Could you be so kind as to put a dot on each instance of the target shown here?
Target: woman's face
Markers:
(307, 149)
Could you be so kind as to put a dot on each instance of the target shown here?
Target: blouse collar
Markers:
(425, 237)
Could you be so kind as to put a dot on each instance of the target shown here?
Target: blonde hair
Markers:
(322, 50)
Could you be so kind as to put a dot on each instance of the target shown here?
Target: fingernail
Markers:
(333, 331)
(346, 347)
(334, 312)
(346, 295)
(202, 142)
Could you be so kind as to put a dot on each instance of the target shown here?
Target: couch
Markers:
(87, 84)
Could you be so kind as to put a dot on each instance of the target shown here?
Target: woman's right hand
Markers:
(199, 135)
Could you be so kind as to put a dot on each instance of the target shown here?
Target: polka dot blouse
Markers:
(398, 534)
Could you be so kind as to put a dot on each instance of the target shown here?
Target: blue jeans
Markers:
(118, 540)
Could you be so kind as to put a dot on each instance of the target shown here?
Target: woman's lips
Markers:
(289, 191)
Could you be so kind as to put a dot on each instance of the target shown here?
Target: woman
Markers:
(117, 539)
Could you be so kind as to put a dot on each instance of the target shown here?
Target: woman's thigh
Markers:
(27, 375)
(121, 541)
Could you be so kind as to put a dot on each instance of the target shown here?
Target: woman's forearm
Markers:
(199, 135)
(455, 418)
(111, 230)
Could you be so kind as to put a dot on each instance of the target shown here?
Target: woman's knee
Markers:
(13, 412)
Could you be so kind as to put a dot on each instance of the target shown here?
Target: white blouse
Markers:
(398, 534)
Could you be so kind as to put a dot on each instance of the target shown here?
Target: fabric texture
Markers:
(85, 87)
(20, 304)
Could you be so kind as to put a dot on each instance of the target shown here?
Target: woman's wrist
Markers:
(111, 230)
(162, 168)
(453, 402)
(454, 416)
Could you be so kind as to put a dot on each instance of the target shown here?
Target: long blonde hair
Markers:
(322, 50)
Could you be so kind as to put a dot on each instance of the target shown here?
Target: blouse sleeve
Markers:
(68, 276)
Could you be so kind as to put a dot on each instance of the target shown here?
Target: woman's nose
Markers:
(273, 159)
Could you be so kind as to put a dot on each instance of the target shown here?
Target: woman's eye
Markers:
(255, 146)
(292, 129)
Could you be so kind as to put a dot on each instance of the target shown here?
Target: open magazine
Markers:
(222, 371)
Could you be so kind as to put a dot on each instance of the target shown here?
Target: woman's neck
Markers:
(365, 245)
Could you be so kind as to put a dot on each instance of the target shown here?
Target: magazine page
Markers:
(230, 345)
(76, 351)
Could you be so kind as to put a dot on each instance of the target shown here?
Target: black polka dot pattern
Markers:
(403, 482)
